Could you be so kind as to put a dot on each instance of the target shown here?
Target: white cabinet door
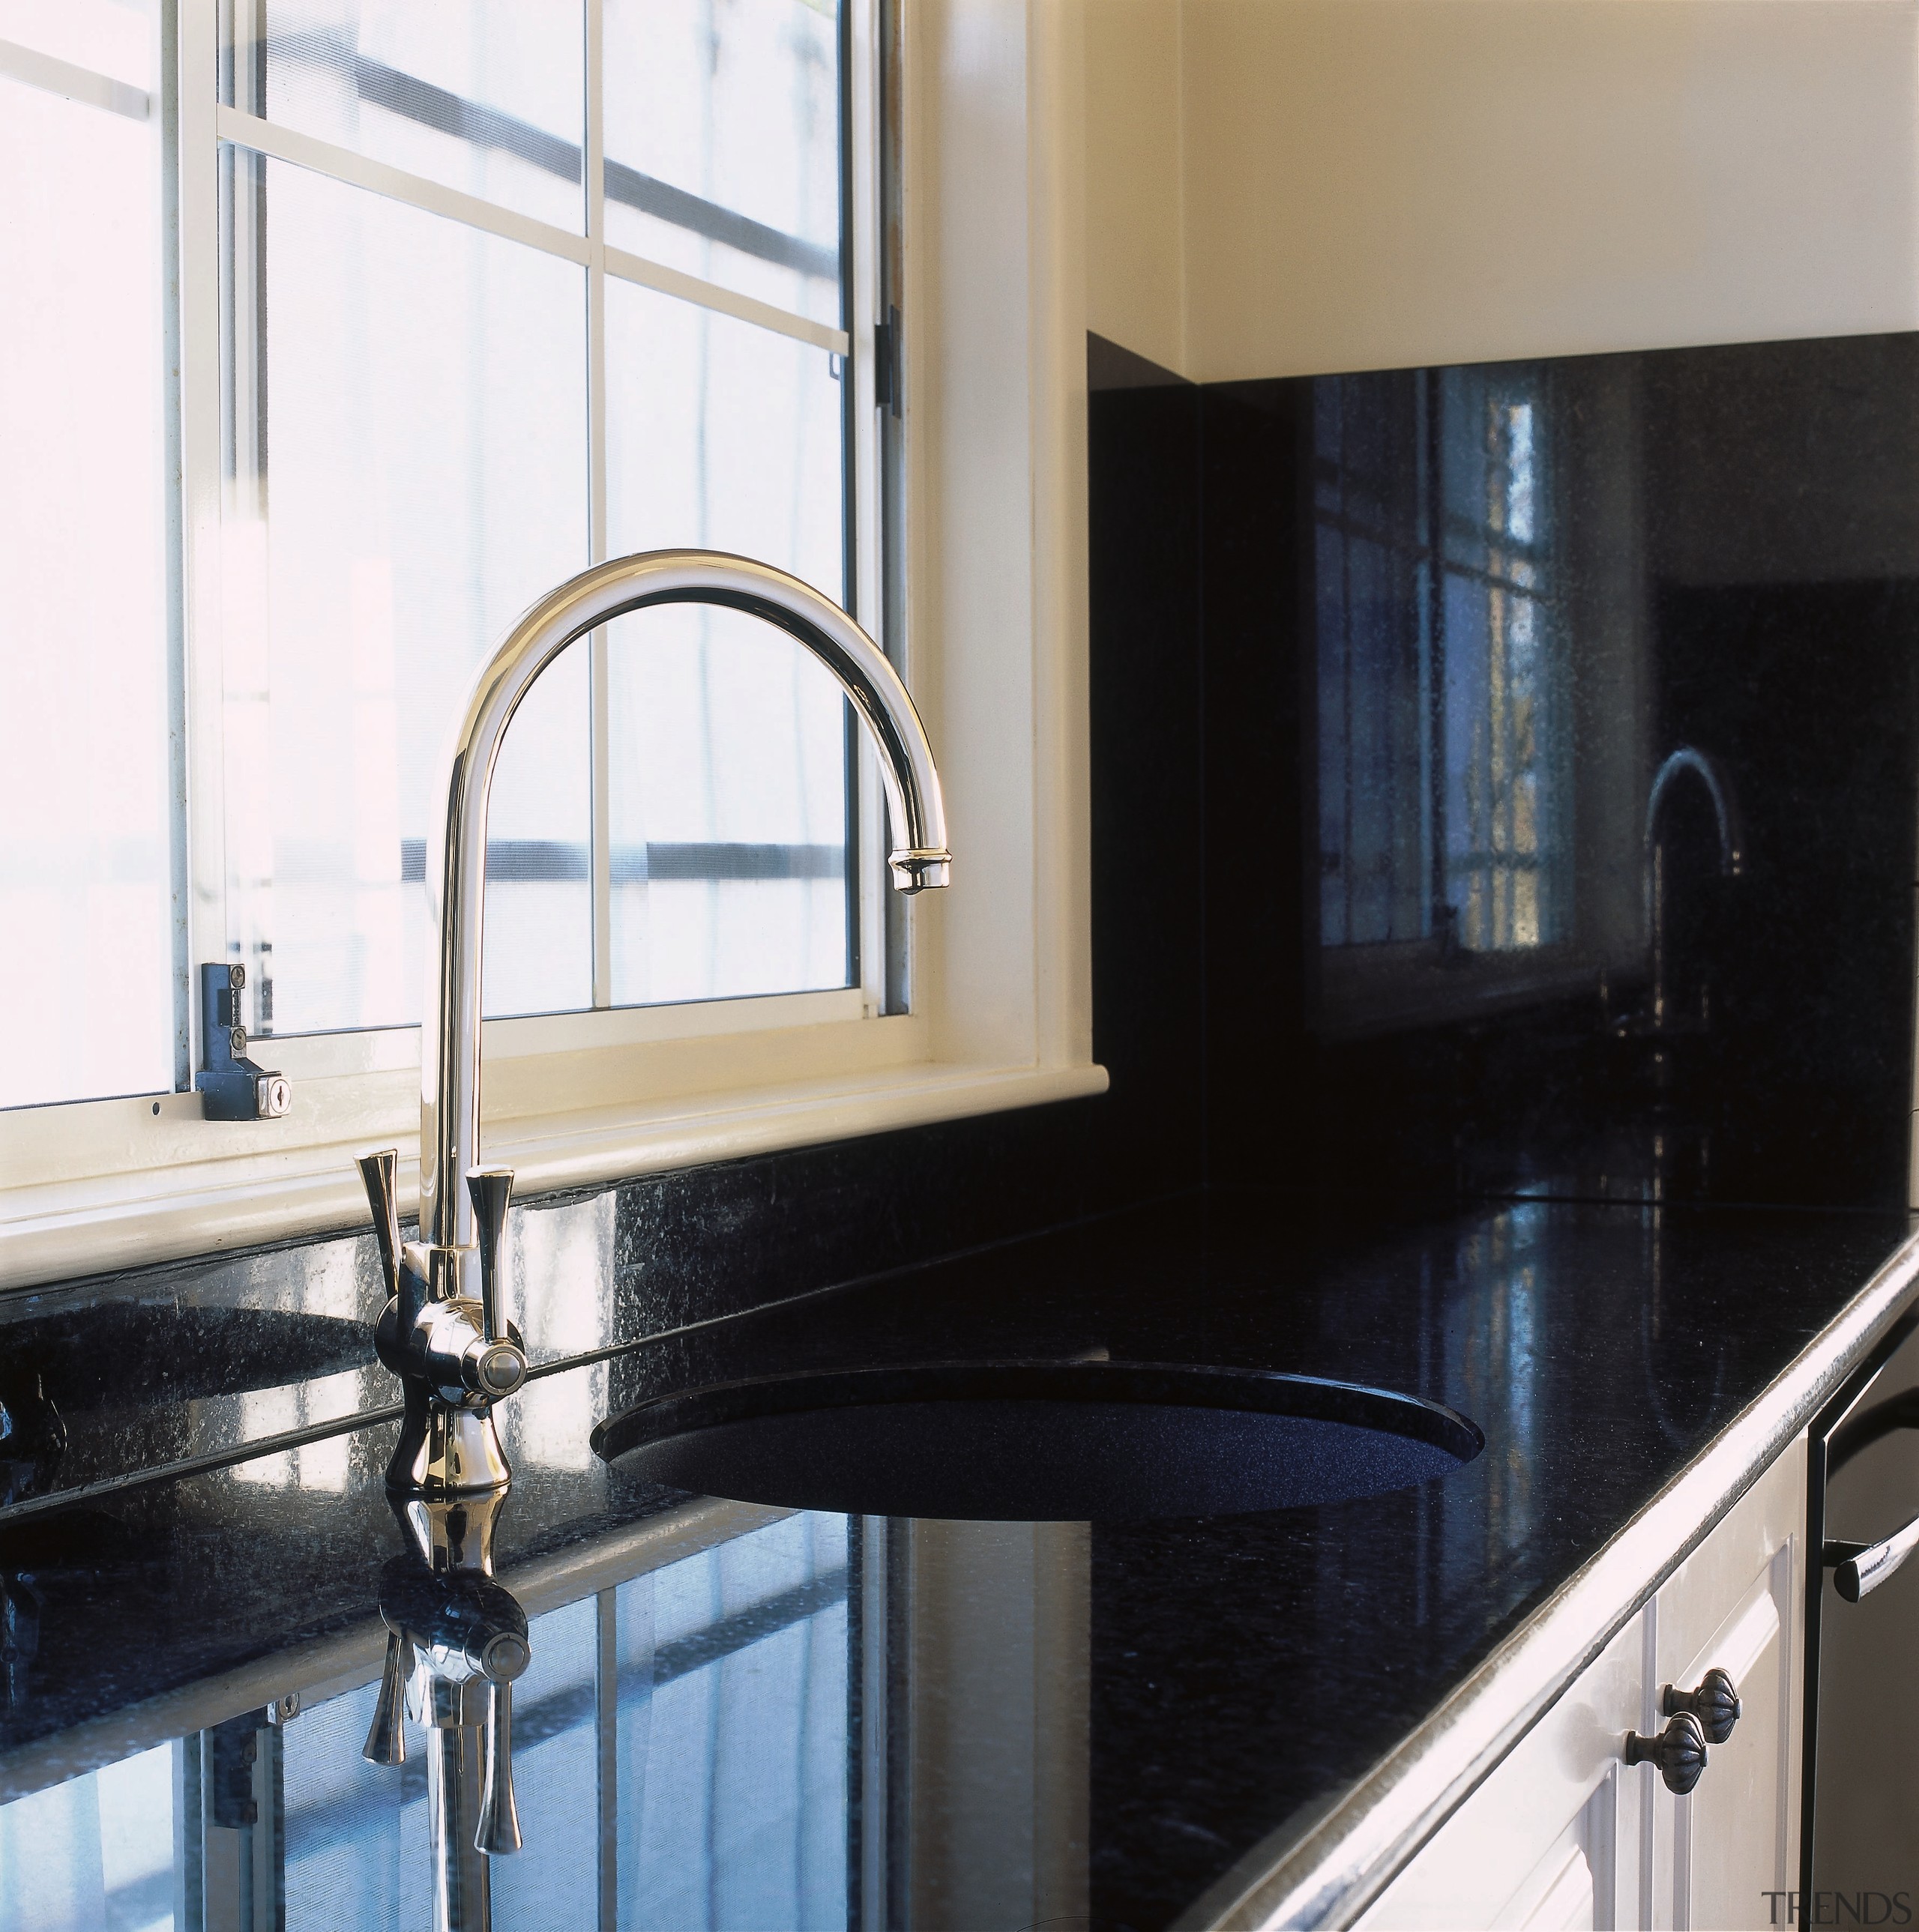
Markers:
(1546, 1841)
(1565, 1834)
(1736, 1605)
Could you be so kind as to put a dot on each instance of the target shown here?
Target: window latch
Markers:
(233, 1087)
(889, 370)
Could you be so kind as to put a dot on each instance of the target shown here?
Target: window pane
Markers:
(85, 891)
(487, 99)
(115, 38)
(723, 143)
(728, 766)
(408, 455)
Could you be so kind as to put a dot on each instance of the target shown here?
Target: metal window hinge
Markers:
(889, 365)
(232, 1088)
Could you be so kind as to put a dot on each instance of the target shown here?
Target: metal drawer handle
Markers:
(1859, 1568)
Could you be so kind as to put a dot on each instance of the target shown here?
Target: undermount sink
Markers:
(1039, 1441)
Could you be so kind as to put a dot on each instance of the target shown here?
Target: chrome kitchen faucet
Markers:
(444, 1332)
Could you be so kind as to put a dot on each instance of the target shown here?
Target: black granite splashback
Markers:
(1449, 625)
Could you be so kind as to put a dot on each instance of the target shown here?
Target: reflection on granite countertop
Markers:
(1230, 1673)
(234, 1341)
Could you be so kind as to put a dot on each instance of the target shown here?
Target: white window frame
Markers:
(993, 273)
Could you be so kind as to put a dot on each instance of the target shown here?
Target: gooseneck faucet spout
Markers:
(446, 1333)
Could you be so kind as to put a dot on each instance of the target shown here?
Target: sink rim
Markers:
(1159, 1384)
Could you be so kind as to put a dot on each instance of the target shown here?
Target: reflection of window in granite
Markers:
(325, 1465)
(1442, 733)
(94, 1850)
(731, 1733)
(703, 1704)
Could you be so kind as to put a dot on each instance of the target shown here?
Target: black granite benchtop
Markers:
(1226, 1675)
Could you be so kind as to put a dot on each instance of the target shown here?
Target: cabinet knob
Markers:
(1678, 1750)
(1714, 1701)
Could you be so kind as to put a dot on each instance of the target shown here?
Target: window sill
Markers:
(53, 1229)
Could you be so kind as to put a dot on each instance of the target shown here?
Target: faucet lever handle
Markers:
(491, 1188)
(498, 1831)
(378, 1171)
(386, 1736)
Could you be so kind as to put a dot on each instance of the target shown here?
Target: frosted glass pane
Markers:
(409, 473)
(119, 38)
(487, 99)
(345, 1863)
(723, 143)
(85, 874)
(728, 748)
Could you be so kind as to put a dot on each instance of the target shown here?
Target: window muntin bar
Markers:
(487, 99)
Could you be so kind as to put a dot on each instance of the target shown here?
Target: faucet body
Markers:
(446, 1332)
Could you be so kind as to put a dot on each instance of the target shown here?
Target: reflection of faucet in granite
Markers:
(1718, 782)
(444, 1332)
(1661, 1019)
(456, 1641)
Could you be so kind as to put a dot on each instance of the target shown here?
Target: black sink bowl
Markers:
(1039, 1441)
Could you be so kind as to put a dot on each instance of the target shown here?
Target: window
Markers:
(704, 281)
(1444, 726)
(470, 296)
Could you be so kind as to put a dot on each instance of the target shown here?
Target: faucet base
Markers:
(445, 1452)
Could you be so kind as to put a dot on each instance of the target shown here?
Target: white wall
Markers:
(1374, 184)
(1136, 268)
